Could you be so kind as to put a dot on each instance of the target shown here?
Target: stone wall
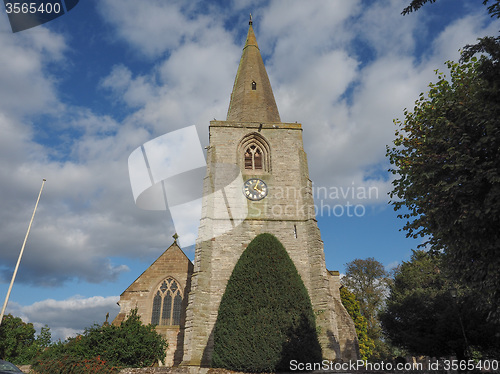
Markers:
(163, 370)
(287, 212)
(172, 263)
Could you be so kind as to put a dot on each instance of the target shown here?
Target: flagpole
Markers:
(20, 255)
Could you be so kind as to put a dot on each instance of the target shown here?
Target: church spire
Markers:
(252, 99)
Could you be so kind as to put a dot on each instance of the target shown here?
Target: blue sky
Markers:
(80, 93)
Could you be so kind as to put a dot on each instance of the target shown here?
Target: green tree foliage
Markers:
(493, 6)
(44, 339)
(447, 161)
(367, 280)
(422, 317)
(16, 337)
(366, 345)
(488, 67)
(131, 344)
(265, 316)
(17, 340)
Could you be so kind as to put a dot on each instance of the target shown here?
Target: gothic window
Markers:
(155, 319)
(167, 304)
(254, 85)
(253, 158)
(176, 311)
(254, 151)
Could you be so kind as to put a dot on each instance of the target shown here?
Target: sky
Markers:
(79, 94)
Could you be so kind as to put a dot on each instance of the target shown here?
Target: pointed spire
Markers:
(252, 99)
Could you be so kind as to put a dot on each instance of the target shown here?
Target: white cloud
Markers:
(391, 266)
(460, 33)
(385, 32)
(85, 205)
(154, 27)
(67, 318)
(347, 97)
(135, 92)
(302, 30)
(25, 87)
(320, 77)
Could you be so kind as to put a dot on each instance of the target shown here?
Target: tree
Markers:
(131, 344)
(44, 339)
(367, 280)
(422, 317)
(265, 316)
(493, 8)
(16, 340)
(447, 161)
(366, 344)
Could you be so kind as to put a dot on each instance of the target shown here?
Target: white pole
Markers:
(20, 255)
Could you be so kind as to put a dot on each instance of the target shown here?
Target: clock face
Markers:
(255, 189)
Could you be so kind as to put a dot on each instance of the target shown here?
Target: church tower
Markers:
(276, 196)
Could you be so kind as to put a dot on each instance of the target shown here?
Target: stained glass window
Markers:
(166, 312)
(176, 316)
(167, 304)
(155, 318)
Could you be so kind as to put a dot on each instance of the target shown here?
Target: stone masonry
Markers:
(229, 224)
(287, 212)
(172, 263)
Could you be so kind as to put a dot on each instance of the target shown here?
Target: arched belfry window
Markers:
(254, 153)
(167, 304)
(253, 158)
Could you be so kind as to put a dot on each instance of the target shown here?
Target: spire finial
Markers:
(175, 236)
(250, 22)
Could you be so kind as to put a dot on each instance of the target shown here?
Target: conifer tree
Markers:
(265, 316)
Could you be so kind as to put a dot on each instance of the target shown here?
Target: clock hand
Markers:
(256, 189)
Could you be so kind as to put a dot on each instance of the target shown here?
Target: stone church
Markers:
(182, 298)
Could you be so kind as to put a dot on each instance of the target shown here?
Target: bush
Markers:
(75, 365)
(265, 316)
(131, 344)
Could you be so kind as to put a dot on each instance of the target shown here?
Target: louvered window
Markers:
(253, 158)
(254, 153)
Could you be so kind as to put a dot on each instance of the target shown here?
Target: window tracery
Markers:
(167, 304)
(255, 153)
(253, 158)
